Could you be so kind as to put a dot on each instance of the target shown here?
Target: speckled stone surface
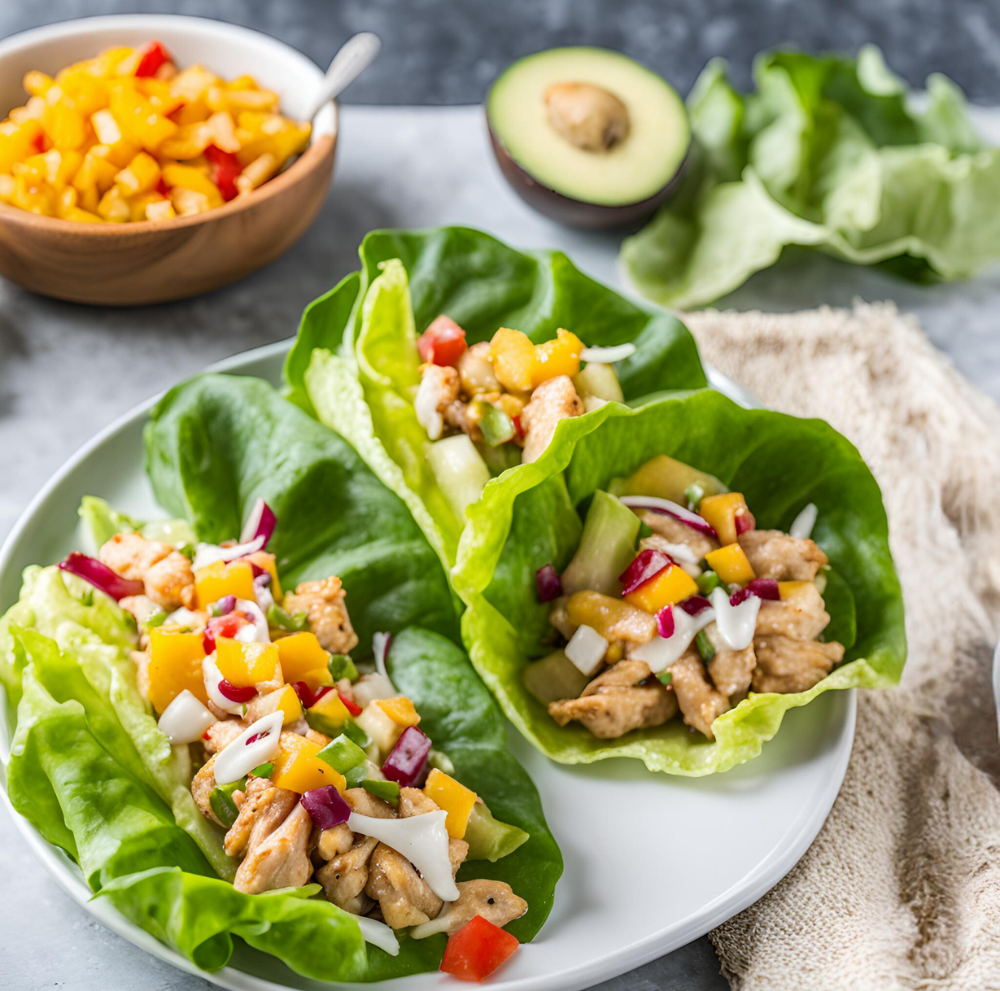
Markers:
(67, 371)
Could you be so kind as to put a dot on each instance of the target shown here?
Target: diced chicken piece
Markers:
(675, 532)
(141, 660)
(263, 810)
(730, 670)
(773, 554)
(437, 391)
(785, 665)
(554, 400)
(495, 901)
(201, 789)
(219, 735)
(165, 573)
(366, 804)
(323, 602)
(405, 898)
(459, 416)
(475, 371)
(334, 841)
(699, 702)
(621, 699)
(798, 614)
(279, 861)
(344, 878)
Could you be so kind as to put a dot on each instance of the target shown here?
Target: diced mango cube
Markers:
(727, 514)
(95, 172)
(18, 141)
(557, 357)
(245, 664)
(37, 83)
(513, 357)
(160, 210)
(454, 798)
(34, 195)
(400, 710)
(790, 590)
(174, 664)
(141, 175)
(138, 118)
(297, 768)
(301, 654)
(730, 564)
(673, 584)
(283, 698)
(66, 128)
(190, 177)
(193, 83)
(220, 578)
(138, 205)
(267, 562)
(331, 707)
(81, 216)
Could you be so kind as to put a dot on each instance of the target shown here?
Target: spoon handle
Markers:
(353, 58)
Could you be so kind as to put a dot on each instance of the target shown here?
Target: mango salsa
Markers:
(400, 710)
(219, 579)
(727, 514)
(297, 767)
(557, 357)
(302, 658)
(134, 139)
(672, 584)
(245, 664)
(174, 664)
(730, 563)
(454, 798)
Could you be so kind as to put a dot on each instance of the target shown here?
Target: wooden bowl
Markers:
(150, 262)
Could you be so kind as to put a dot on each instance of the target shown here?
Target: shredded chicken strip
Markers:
(799, 613)
(773, 554)
(553, 400)
(281, 860)
(699, 702)
(675, 532)
(785, 665)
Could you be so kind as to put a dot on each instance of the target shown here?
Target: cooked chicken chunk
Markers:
(281, 859)
(219, 735)
(414, 802)
(405, 898)
(554, 400)
(263, 810)
(785, 665)
(334, 841)
(675, 532)
(344, 878)
(437, 391)
(798, 614)
(732, 670)
(493, 900)
(459, 416)
(699, 702)
(616, 620)
(773, 554)
(475, 371)
(323, 602)
(201, 789)
(615, 702)
(165, 573)
(366, 804)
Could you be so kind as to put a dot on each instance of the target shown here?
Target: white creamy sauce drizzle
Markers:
(378, 934)
(422, 839)
(183, 617)
(240, 758)
(426, 406)
(736, 624)
(257, 631)
(660, 652)
(802, 525)
(185, 719)
(206, 554)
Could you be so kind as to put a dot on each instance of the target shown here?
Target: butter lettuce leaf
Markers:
(780, 463)
(826, 152)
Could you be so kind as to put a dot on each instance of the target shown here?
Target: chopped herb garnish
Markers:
(341, 666)
(388, 791)
(279, 619)
(187, 550)
(665, 677)
(243, 710)
(157, 619)
(708, 581)
(694, 493)
(263, 770)
(704, 646)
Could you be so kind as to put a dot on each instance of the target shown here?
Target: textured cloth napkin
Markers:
(901, 889)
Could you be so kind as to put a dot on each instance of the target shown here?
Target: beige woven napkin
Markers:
(901, 889)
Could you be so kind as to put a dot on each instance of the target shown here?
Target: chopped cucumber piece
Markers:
(488, 838)
(606, 548)
(460, 471)
(599, 381)
(342, 754)
(496, 425)
(388, 791)
(553, 678)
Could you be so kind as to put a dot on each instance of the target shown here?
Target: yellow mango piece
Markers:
(174, 664)
(331, 706)
(454, 798)
(673, 584)
(235, 100)
(266, 561)
(138, 119)
(81, 216)
(65, 127)
(95, 172)
(557, 357)
(731, 564)
(190, 141)
(18, 142)
(297, 768)
(721, 512)
(141, 175)
(160, 210)
(400, 710)
(273, 134)
(317, 677)
(6, 187)
(218, 579)
(245, 664)
(82, 92)
(54, 166)
(34, 195)
(112, 207)
(281, 699)
(190, 177)
(187, 202)
(193, 83)
(301, 654)
(138, 205)
(37, 83)
(513, 357)
(790, 590)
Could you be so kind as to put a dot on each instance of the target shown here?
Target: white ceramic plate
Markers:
(652, 861)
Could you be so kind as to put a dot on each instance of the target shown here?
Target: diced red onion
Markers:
(349, 704)
(326, 807)
(237, 693)
(668, 508)
(307, 696)
(694, 604)
(646, 566)
(548, 583)
(100, 576)
(406, 760)
(744, 522)
(260, 523)
(665, 622)
(763, 588)
(224, 606)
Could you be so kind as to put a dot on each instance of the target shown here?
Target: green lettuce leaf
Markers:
(779, 462)
(355, 357)
(103, 522)
(825, 153)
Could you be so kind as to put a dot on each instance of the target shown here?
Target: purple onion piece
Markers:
(646, 565)
(100, 576)
(548, 583)
(260, 523)
(224, 606)
(667, 508)
(406, 761)
(262, 580)
(326, 807)
(665, 622)
(695, 604)
(765, 588)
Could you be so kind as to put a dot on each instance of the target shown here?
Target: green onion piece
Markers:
(694, 493)
(157, 619)
(341, 666)
(665, 677)
(354, 732)
(708, 581)
(357, 775)
(243, 710)
(342, 754)
(704, 646)
(263, 770)
(496, 425)
(221, 801)
(278, 619)
(644, 531)
(388, 791)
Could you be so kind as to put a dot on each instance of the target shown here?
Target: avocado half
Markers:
(588, 136)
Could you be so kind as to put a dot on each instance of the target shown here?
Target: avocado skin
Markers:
(578, 213)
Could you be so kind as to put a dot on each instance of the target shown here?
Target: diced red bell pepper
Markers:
(442, 343)
(162, 188)
(224, 167)
(352, 707)
(307, 696)
(476, 950)
(153, 56)
(222, 626)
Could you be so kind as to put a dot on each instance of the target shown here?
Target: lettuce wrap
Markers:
(355, 366)
(92, 772)
(780, 463)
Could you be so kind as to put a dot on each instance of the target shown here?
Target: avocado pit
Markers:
(587, 116)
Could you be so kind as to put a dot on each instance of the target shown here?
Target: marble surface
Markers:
(66, 371)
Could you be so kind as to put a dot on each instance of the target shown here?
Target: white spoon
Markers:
(353, 58)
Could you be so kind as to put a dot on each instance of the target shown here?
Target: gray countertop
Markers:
(67, 371)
